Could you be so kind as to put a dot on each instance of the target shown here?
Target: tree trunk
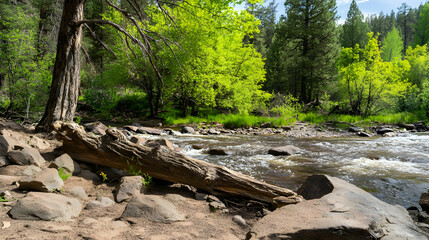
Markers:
(64, 91)
(114, 150)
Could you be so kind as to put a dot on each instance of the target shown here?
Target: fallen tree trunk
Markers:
(114, 150)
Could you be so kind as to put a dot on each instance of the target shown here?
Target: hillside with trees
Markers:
(145, 59)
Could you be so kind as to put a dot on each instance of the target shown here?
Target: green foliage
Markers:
(2, 199)
(354, 29)
(421, 36)
(63, 174)
(392, 46)
(27, 75)
(369, 84)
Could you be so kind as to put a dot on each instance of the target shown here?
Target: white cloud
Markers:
(362, 1)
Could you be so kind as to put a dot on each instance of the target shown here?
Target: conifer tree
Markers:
(421, 36)
(392, 46)
(354, 29)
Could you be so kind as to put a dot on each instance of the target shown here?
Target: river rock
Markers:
(153, 208)
(213, 131)
(160, 142)
(356, 129)
(390, 134)
(363, 134)
(409, 127)
(285, 150)
(66, 162)
(46, 206)
(384, 130)
(346, 212)
(147, 130)
(420, 126)
(266, 125)
(131, 128)
(47, 180)
(187, 130)
(424, 201)
(216, 151)
(4, 161)
(128, 187)
(23, 155)
(97, 128)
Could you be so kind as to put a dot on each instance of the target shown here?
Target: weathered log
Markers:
(114, 150)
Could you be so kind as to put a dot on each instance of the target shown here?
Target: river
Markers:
(394, 169)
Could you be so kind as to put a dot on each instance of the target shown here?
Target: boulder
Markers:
(4, 161)
(131, 128)
(23, 155)
(384, 130)
(6, 181)
(336, 210)
(31, 170)
(46, 206)
(409, 127)
(356, 129)
(187, 130)
(216, 151)
(6, 142)
(213, 131)
(147, 130)
(284, 151)
(153, 208)
(128, 187)
(420, 126)
(287, 128)
(47, 180)
(38, 143)
(160, 142)
(390, 134)
(96, 128)
(266, 125)
(424, 201)
(66, 162)
(100, 202)
(363, 134)
(197, 147)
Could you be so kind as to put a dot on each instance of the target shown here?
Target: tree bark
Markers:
(114, 150)
(64, 91)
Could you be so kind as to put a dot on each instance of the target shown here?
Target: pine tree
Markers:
(354, 29)
(311, 46)
(392, 46)
(421, 36)
(406, 18)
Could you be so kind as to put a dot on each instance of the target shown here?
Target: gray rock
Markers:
(339, 211)
(153, 208)
(217, 206)
(200, 196)
(128, 187)
(25, 156)
(363, 134)
(187, 130)
(356, 129)
(6, 142)
(409, 127)
(66, 162)
(384, 130)
(46, 206)
(79, 192)
(100, 202)
(266, 125)
(88, 175)
(216, 151)
(390, 134)
(151, 131)
(287, 128)
(424, 201)
(36, 142)
(284, 151)
(239, 220)
(213, 131)
(31, 170)
(47, 180)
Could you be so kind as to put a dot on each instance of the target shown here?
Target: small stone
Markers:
(128, 187)
(79, 192)
(284, 150)
(200, 196)
(239, 220)
(215, 206)
(66, 162)
(220, 152)
(5, 225)
(4, 161)
(88, 175)
(197, 147)
(100, 202)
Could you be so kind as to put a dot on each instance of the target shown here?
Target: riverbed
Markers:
(394, 169)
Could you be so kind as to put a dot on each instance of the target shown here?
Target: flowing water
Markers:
(394, 169)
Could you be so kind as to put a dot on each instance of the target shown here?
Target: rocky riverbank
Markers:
(104, 203)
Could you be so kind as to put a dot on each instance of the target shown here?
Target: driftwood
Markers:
(114, 150)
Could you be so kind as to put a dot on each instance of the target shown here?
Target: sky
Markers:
(367, 7)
